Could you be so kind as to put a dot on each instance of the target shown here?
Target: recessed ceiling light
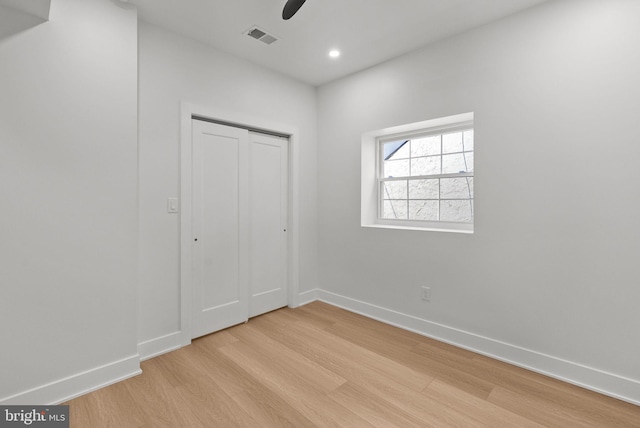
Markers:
(334, 53)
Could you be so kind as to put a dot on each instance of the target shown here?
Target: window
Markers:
(420, 176)
(427, 177)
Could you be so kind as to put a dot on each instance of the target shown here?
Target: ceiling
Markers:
(367, 32)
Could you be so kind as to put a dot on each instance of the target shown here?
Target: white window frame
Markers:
(371, 202)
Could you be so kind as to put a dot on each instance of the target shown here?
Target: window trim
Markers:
(371, 175)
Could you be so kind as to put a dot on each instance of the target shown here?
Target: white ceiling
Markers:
(367, 32)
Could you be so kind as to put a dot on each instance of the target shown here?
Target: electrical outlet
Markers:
(426, 294)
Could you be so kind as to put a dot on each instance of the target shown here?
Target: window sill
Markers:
(449, 228)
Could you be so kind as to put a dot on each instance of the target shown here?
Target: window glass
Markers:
(395, 189)
(424, 189)
(427, 165)
(423, 210)
(452, 143)
(426, 146)
(439, 177)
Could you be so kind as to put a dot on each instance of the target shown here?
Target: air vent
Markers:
(260, 34)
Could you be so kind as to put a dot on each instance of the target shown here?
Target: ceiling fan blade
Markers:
(291, 8)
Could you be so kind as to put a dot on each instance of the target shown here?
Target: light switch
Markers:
(172, 205)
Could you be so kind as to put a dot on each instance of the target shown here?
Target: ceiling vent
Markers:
(259, 34)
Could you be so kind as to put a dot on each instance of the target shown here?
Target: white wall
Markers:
(174, 69)
(549, 279)
(68, 248)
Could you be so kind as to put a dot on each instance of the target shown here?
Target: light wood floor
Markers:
(320, 366)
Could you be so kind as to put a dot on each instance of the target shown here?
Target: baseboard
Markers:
(74, 386)
(587, 377)
(158, 346)
(307, 297)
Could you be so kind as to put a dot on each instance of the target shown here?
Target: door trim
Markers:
(187, 112)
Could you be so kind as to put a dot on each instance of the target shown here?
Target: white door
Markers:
(268, 190)
(239, 208)
(219, 222)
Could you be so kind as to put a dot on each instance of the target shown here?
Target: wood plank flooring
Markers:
(320, 366)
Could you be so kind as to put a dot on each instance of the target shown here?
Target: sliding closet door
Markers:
(239, 224)
(268, 207)
(219, 222)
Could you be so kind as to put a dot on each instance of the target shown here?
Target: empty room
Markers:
(352, 213)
